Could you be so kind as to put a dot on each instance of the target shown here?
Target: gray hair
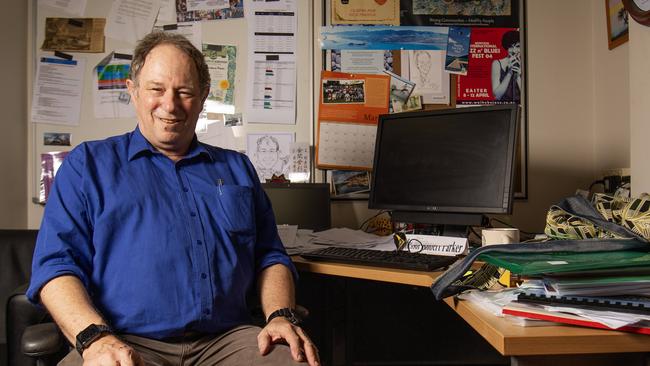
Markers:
(151, 40)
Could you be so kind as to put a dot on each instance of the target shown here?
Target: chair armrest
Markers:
(41, 340)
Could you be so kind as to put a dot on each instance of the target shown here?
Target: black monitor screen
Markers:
(455, 160)
(304, 204)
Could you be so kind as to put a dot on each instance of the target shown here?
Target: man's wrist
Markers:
(89, 335)
(290, 314)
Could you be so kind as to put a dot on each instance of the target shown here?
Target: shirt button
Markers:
(199, 242)
(204, 276)
(192, 214)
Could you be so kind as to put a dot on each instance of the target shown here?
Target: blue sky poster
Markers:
(383, 38)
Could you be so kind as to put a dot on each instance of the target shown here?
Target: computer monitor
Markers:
(448, 167)
(304, 204)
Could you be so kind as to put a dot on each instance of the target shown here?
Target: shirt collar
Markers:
(138, 145)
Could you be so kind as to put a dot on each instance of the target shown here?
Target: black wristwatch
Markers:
(92, 333)
(287, 313)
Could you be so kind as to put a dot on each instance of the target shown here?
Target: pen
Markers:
(219, 184)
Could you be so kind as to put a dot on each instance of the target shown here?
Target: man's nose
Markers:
(170, 101)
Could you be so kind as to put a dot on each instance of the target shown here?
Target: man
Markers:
(151, 240)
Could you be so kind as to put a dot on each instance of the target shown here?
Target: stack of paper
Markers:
(607, 290)
(344, 237)
(598, 286)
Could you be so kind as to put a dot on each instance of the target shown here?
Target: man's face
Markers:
(267, 153)
(167, 99)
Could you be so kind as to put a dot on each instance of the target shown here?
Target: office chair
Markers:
(32, 337)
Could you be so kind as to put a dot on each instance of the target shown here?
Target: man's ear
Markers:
(130, 85)
(205, 95)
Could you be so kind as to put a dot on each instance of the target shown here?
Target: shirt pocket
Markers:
(235, 204)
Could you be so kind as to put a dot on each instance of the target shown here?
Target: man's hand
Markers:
(280, 330)
(110, 350)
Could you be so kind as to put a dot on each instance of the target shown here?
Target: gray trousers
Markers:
(237, 347)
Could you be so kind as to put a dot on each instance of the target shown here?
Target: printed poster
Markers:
(475, 13)
(365, 12)
(495, 69)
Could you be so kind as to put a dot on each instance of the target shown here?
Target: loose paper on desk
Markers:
(131, 20)
(344, 237)
(288, 234)
(111, 97)
(74, 7)
(57, 91)
(271, 76)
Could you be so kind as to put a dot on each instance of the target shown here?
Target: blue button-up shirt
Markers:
(162, 248)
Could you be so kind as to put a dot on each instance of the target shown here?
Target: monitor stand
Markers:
(452, 224)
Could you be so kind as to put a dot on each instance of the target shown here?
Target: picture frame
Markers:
(617, 23)
(639, 11)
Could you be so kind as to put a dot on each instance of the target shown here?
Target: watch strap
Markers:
(89, 335)
(287, 313)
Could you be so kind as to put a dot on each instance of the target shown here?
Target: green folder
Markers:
(543, 263)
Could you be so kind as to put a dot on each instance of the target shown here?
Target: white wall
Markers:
(13, 149)
(639, 107)
(611, 97)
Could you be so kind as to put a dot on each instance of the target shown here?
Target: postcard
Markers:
(400, 88)
(56, 139)
(232, 120)
(74, 34)
(350, 182)
(457, 57)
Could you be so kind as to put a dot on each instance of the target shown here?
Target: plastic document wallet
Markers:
(541, 263)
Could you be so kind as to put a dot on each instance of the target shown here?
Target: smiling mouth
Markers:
(170, 120)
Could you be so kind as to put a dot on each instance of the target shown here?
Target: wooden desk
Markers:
(547, 345)
(543, 345)
(400, 276)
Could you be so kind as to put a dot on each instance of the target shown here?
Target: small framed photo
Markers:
(349, 184)
(617, 23)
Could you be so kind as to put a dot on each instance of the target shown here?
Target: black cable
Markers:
(601, 181)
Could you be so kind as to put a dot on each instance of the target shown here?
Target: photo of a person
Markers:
(270, 154)
(423, 65)
(506, 72)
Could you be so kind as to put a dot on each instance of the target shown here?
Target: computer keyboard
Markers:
(392, 259)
